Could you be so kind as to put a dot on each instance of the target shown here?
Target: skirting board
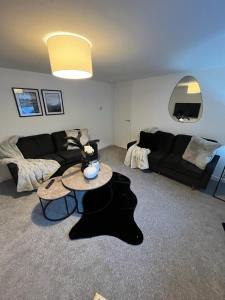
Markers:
(107, 146)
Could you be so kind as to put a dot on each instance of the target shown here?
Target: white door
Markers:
(122, 114)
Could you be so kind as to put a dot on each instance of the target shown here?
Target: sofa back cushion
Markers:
(200, 151)
(180, 144)
(147, 140)
(80, 134)
(59, 139)
(163, 141)
(36, 146)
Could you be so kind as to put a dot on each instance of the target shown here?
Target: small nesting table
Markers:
(57, 191)
(73, 179)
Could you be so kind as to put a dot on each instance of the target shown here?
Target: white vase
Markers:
(96, 164)
(90, 172)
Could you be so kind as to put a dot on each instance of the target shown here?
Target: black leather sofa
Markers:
(49, 146)
(166, 158)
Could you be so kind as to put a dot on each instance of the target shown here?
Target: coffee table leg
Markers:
(75, 197)
(44, 207)
(66, 206)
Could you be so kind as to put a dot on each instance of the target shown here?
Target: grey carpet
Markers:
(182, 256)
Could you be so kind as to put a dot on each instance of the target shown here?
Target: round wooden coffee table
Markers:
(74, 180)
(57, 191)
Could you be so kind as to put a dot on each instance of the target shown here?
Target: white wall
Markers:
(149, 106)
(82, 100)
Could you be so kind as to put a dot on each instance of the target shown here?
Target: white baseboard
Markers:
(107, 146)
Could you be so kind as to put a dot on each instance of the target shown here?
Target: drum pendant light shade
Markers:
(70, 56)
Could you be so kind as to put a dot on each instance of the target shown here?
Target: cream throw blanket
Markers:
(137, 157)
(31, 172)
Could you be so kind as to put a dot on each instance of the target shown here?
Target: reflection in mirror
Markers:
(186, 101)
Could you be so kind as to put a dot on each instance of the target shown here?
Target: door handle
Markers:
(127, 120)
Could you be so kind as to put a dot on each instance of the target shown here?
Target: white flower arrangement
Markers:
(88, 149)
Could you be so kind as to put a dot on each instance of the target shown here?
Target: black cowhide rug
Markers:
(223, 224)
(109, 210)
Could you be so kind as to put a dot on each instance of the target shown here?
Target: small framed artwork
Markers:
(28, 102)
(53, 102)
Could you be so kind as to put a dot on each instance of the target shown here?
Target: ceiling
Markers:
(131, 39)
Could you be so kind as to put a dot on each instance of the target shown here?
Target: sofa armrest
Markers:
(13, 169)
(210, 167)
(130, 144)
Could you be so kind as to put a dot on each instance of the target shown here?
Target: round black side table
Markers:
(56, 192)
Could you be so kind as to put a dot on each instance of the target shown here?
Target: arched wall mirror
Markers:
(185, 103)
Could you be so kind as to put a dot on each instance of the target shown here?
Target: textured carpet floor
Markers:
(182, 256)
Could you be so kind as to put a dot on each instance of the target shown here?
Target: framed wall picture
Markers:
(53, 102)
(28, 102)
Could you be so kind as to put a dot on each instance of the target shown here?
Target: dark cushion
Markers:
(36, 146)
(154, 159)
(163, 141)
(28, 146)
(59, 139)
(130, 144)
(71, 156)
(180, 165)
(180, 144)
(54, 156)
(147, 140)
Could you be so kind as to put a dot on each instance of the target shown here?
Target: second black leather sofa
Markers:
(166, 158)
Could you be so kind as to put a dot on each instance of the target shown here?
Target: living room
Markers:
(149, 234)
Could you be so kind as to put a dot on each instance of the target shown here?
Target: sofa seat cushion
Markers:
(55, 157)
(71, 156)
(180, 165)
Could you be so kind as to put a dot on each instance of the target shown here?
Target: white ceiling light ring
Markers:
(72, 74)
(65, 33)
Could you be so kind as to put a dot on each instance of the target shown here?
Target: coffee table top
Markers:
(57, 190)
(74, 179)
